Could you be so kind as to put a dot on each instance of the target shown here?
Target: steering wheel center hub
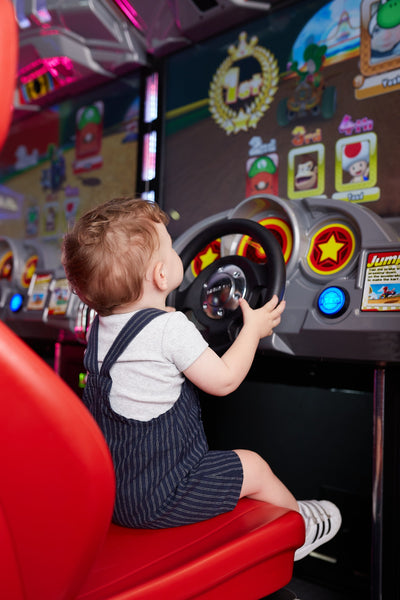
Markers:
(222, 291)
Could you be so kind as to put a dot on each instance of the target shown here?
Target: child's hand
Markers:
(263, 319)
(220, 376)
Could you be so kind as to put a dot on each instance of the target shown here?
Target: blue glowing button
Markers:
(333, 301)
(16, 302)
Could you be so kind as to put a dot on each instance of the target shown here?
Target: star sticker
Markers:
(330, 249)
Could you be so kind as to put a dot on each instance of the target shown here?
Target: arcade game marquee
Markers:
(288, 121)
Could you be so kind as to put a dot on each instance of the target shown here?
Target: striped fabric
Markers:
(165, 474)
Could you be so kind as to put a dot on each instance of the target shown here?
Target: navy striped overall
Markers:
(165, 474)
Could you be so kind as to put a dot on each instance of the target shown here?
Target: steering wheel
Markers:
(212, 299)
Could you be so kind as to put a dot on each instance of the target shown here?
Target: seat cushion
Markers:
(248, 551)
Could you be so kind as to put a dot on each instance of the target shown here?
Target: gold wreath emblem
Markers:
(241, 120)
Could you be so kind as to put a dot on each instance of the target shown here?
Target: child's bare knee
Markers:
(254, 466)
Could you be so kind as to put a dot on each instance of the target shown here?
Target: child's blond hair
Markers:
(107, 253)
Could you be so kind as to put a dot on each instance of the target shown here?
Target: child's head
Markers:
(108, 251)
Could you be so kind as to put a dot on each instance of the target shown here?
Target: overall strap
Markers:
(135, 324)
(90, 357)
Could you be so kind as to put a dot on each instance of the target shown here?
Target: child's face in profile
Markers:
(170, 258)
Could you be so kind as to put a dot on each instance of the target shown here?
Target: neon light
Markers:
(129, 12)
(149, 156)
(151, 101)
(54, 65)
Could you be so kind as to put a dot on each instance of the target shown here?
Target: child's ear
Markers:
(160, 276)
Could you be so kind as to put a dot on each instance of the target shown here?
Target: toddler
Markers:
(144, 362)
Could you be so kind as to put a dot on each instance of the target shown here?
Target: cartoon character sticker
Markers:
(379, 48)
(355, 160)
(356, 168)
(262, 175)
(310, 96)
(89, 130)
(306, 171)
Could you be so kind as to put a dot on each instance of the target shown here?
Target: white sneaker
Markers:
(323, 521)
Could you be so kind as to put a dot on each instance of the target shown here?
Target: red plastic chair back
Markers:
(8, 65)
(56, 480)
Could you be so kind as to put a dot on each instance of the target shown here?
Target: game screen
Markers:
(300, 102)
(62, 161)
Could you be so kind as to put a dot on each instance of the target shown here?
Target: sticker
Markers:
(310, 96)
(379, 49)
(356, 168)
(59, 298)
(306, 171)
(89, 131)
(331, 249)
(262, 175)
(382, 282)
(37, 298)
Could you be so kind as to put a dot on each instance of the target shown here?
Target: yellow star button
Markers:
(330, 249)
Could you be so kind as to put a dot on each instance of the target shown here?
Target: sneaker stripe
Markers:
(322, 520)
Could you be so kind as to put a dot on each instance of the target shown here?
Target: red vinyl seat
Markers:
(56, 498)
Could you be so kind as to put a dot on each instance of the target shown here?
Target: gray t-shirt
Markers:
(147, 377)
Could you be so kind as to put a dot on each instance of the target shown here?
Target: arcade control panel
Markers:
(342, 280)
(342, 276)
(35, 299)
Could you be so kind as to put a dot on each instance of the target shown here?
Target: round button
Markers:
(333, 301)
(16, 302)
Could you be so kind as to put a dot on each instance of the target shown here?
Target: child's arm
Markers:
(220, 376)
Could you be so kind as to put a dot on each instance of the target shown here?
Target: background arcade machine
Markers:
(27, 273)
(327, 381)
(27, 269)
(37, 304)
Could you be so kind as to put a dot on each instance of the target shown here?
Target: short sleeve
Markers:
(182, 342)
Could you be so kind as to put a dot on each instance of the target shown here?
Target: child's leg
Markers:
(260, 483)
(322, 518)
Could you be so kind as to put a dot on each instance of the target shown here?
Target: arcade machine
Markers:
(26, 269)
(265, 122)
(28, 276)
(341, 333)
(325, 381)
